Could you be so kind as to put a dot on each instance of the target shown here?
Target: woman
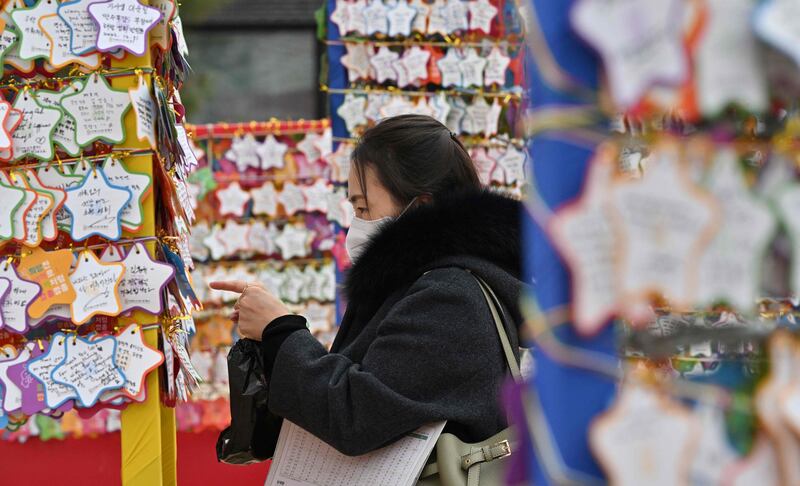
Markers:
(417, 343)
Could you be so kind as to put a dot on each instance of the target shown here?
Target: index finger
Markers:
(237, 286)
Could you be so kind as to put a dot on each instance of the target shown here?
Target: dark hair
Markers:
(414, 155)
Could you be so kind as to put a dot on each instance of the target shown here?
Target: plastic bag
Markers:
(253, 433)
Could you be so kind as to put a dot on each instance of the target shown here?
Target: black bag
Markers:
(253, 433)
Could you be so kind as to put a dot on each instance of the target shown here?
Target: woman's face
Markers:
(380, 205)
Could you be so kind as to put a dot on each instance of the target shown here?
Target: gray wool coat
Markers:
(417, 343)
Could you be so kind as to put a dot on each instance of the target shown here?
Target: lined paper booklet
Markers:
(301, 459)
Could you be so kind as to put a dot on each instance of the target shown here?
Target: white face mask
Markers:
(362, 230)
(359, 234)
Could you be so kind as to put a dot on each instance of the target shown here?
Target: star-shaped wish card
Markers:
(89, 368)
(135, 359)
(96, 287)
(98, 111)
(584, 235)
(144, 280)
(96, 205)
(664, 222)
(641, 43)
(730, 267)
(123, 24)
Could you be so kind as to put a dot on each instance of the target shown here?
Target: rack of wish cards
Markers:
(459, 62)
(95, 295)
(271, 207)
(663, 241)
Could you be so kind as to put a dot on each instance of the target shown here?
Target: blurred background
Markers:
(252, 60)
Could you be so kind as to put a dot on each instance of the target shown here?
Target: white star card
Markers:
(232, 200)
(496, 66)
(664, 221)
(18, 300)
(728, 64)
(375, 18)
(143, 282)
(33, 43)
(54, 179)
(55, 394)
(98, 111)
(481, 15)
(61, 55)
(43, 205)
(384, 62)
(265, 199)
(95, 206)
(139, 185)
(730, 267)
(135, 359)
(244, 152)
(400, 17)
(450, 68)
(89, 368)
(584, 235)
(272, 153)
(471, 67)
(145, 109)
(415, 63)
(644, 438)
(356, 60)
(96, 288)
(234, 237)
(352, 111)
(123, 24)
(316, 196)
(640, 41)
(20, 215)
(49, 223)
(34, 135)
(294, 241)
(82, 27)
(65, 134)
(292, 198)
(13, 201)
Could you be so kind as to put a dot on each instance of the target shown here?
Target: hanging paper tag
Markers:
(41, 368)
(61, 55)
(34, 136)
(641, 43)
(644, 438)
(82, 27)
(19, 299)
(89, 368)
(144, 281)
(138, 184)
(98, 111)
(584, 234)
(135, 359)
(33, 43)
(95, 206)
(96, 288)
(123, 24)
(12, 394)
(145, 109)
(50, 270)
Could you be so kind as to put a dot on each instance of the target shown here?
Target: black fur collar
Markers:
(483, 225)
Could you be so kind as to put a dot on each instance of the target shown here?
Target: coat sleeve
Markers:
(430, 353)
